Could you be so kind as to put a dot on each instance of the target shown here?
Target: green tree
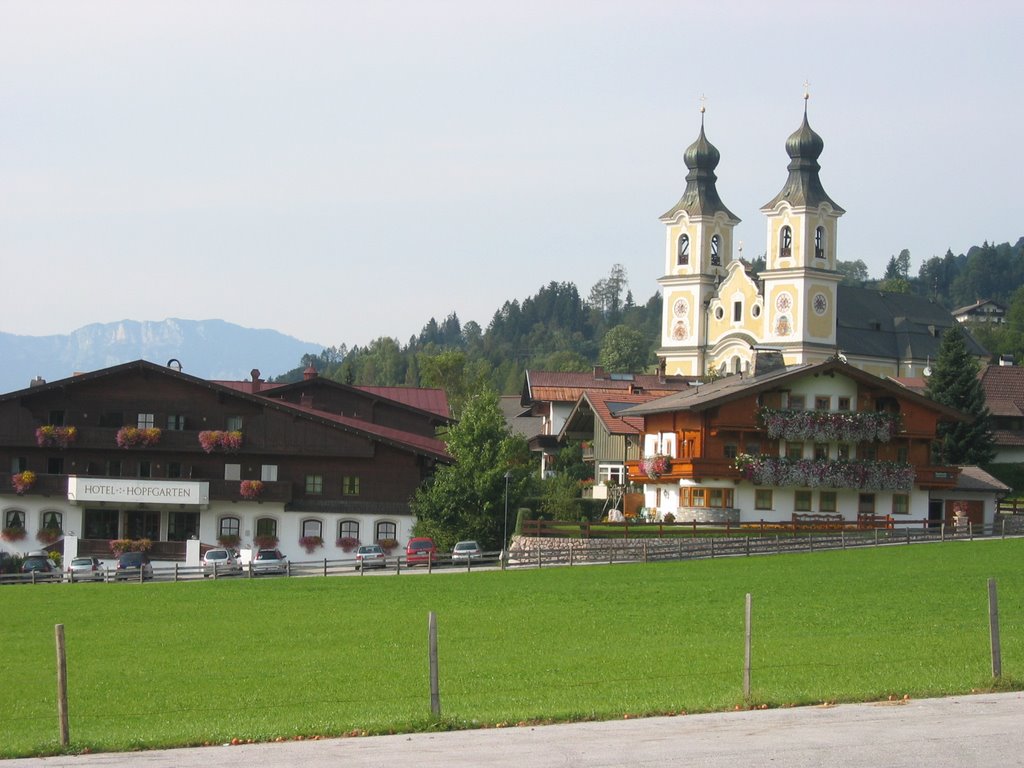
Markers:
(624, 350)
(853, 272)
(954, 382)
(455, 373)
(467, 499)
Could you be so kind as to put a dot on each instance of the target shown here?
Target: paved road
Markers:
(982, 730)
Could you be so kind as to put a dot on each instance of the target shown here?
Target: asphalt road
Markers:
(976, 731)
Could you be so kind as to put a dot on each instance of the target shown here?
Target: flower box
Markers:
(120, 546)
(265, 541)
(49, 436)
(311, 543)
(655, 466)
(211, 440)
(829, 426)
(229, 540)
(347, 543)
(12, 533)
(387, 545)
(251, 489)
(49, 535)
(136, 437)
(23, 481)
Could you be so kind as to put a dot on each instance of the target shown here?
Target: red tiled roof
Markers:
(603, 404)
(1003, 386)
(429, 400)
(563, 386)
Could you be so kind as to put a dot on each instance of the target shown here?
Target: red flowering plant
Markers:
(311, 543)
(12, 533)
(265, 540)
(120, 546)
(826, 473)
(387, 545)
(211, 440)
(654, 466)
(251, 489)
(137, 437)
(49, 436)
(229, 540)
(347, 543)
(23, 481)
(49, 534)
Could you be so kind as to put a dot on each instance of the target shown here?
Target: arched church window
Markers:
(819, 243)
(684, 251)
(716, 259)
(786, 243)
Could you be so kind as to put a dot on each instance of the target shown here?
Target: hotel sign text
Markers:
(120, 490)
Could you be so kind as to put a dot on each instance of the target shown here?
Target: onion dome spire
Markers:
(700, 198)
(803, 187)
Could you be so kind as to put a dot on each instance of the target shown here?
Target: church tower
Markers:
(698, 251)
(800, 278)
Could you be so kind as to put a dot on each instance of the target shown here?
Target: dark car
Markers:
(40, 566)
(132, 565)
(420, 551)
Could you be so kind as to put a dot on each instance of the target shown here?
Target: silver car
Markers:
(86, 569)
(465, 551)
(221, 562)
(370, 556)
(269, 561)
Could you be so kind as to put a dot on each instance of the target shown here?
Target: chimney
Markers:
(306, 400)
(38, 381)
(309, 373)
(599, 372)
(768, 359)
(255, 373)
(1006, 360)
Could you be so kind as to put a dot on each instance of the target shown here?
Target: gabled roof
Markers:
(739, 386)
(566, 387)
(1003, 386)
(978, 305)
(607, 408)
(404, 440)
(518, 417)
(428, 400)
(976, 479)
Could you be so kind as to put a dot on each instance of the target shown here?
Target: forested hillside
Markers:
(559, 330)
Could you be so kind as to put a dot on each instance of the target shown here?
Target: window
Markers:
(843, 451)
(14, 518)
(232, 471)
(720, 497)
(683, 252)
(866, 504)
(145, 421)
(175, 423)
(114, 468)
(868, 452)
(697, 497)
(55, 465)
(843, 404)
(794, 451)
(387, 532)
(53, 520)
(902, 454)
(900, 504)
(754, 449)
(173, 469)
(348, 529)
(797, 402)
(611, 473)
(100, 523)
(737, 311)
(716, 258)
(229, 526)
(827, 501)
(145, 469)
(762, 498)
(821, 451)
(819, 243)
(822, 403)
(268, 473)
(112, 419)
(786, 242)
(18, 464)
(57, 418)
(802, 501)
(234, 424)
(730, 450)
(350, 485)
(182, 526)
(315, 484)
(266, 526)
(312, 528)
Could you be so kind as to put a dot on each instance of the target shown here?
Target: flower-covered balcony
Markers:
(780, 472)
(829, 426)
(660, 468)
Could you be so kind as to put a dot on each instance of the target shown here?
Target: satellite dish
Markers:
(927, 371)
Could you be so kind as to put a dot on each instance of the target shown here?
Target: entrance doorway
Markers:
(142, 524)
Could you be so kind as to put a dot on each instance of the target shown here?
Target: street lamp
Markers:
(504, 535)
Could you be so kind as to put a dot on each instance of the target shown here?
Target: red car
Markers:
(420, 551)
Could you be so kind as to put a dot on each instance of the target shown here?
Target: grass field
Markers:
(174, 664)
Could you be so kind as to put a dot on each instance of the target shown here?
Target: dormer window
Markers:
(819, 243)
(785, 243)
(683, 251)
(716, 259)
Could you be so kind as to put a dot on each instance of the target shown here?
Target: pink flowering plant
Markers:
(12, 533)
(211, 440)
(251, 489)
(23, 481)
(829, 426)
(311, 543)
(49, 436)
(654, 466)
(347, 543)
(826, 473)
(136, 437)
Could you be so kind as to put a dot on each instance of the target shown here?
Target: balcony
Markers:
(277, 492)
(689, 468)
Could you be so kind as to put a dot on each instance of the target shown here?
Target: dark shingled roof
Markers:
(700, 198)
(976, 479)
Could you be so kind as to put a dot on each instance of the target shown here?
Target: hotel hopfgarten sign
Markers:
(131, 491)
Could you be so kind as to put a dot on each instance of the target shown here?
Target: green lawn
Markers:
(174, 664)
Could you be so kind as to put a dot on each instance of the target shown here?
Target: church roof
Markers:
(803, 187)
(700, 198)
(897, 326)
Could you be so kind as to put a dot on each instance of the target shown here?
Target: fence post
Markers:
(571, 548)
(942, 532)
(993, 629)
(810, 542)
(712, 547)
(908, 535)
(876, 537)
(970, 530)
(842, 537)
(645, 551)
(746, 542)
(746, 650)
(435, 693)
(1004, 527)
(62, 685)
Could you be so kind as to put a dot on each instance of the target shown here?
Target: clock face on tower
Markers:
(820, 303)
(680, 308)
(783, 302)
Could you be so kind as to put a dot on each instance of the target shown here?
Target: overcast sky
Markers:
(340, 171)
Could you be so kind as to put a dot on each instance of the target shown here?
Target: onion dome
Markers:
(803, 187)
(700, 197)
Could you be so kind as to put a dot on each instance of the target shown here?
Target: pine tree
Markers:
(954, 383)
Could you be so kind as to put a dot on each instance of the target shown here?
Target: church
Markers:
(715, 313)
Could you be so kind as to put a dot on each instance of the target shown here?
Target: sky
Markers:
(340, 171)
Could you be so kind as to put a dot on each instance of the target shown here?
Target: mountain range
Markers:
(210, 349)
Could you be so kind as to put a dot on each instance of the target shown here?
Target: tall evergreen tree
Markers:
(954, 382)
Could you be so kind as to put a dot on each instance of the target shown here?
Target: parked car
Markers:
(269, 561)
(221, 562)
(86, 568)
(465, 551)
(370, 556)
(131, 564)
(420, 550)
(40, 564)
